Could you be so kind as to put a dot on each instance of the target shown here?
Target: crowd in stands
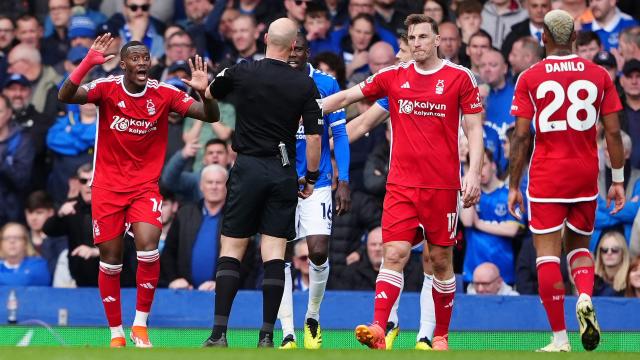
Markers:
(46, 147)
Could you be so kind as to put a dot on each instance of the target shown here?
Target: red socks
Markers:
(109, 285)
(388, 286)
(147, 278)
(582, 275)
(551, 289)
(443, 292)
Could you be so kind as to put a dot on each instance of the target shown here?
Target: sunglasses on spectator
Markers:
(300, 2)
(84, 181)
(303, 257)
(614, 250)
(135, 7)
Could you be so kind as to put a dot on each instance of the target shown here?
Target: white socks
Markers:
(318, 276)
(285, 313)
(116, 331)
(393, 315)
(141, 318)
(560, 337)
(427, 309)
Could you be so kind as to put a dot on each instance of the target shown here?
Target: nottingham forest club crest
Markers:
(151, 108)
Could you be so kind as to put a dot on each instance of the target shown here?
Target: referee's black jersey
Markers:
(270, 97)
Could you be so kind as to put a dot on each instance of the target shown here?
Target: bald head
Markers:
(381, 55)
(282, 34)
(486, 279)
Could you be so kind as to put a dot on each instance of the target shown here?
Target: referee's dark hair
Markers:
(415, 19)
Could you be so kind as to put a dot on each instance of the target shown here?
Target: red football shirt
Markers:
(564, 96)
(132, 131)
(426, 108)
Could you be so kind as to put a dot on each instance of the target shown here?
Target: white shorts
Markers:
(313, 214)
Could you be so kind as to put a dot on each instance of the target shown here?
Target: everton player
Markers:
(564, 96)
(130, 147)
(427, 98)
(313, 214)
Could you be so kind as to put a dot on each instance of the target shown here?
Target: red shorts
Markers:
(407, 209)
(546, 218)
(113, 211)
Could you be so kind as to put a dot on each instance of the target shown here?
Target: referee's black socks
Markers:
(272, 289)
(227, 284)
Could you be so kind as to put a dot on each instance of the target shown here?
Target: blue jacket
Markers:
(16, 162)
(183, 183)
(31, 272)
(68, 136)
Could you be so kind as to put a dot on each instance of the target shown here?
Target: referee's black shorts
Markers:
(261, 198)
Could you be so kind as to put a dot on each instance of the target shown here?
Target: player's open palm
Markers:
(98, 49)
(199, 79)
(616, 194)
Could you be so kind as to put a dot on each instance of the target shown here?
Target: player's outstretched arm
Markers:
(207, 110)
(71, 92)
(342, 99)
(471, 181)
(520, 141)
(616, 154)
(366, 121)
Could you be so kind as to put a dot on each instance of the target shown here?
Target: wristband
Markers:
(93, 58)
(312, 177)
(617, 175)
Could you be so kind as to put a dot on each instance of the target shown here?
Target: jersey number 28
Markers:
(577, 104)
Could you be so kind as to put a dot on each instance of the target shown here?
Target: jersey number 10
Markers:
(577, 104)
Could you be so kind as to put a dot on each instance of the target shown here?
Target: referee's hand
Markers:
(307, 189)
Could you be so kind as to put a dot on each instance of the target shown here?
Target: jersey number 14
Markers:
(577, 104)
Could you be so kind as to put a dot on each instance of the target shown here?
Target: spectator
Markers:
(524, 53)
(111, 67)
(390, 16)
(295, 10)
(18, 90)
(138, 24)
(82, 31)
(355, 8)
(44, 80)
(633, 279)
(588, 44)
(487, 281)
(38, 208)
(29, 31)
(196, 11)
(79, 7)
(532, 26)
(56, 45)
(491, 228)
(188, 260)
(379, 56)
(612, 265)
(178, 47)
(630, 114)
(609, 63)
(355, 47)
(450, 42)
(361, 274)
(498, 16)
(245, 35)
(16, 162)
(263, 11)
(608, 22)
(493, 71)
(186, 183)
(71, 140)
(333, 65)
(7, 34)
(628, 47)
(161, 11)
(478, 44)
(317, 24)
(18, 265)
(301, 265)
(468, 19)
(578, 9)
(437, 10)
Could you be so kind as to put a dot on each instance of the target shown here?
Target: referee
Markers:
(271, 98)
